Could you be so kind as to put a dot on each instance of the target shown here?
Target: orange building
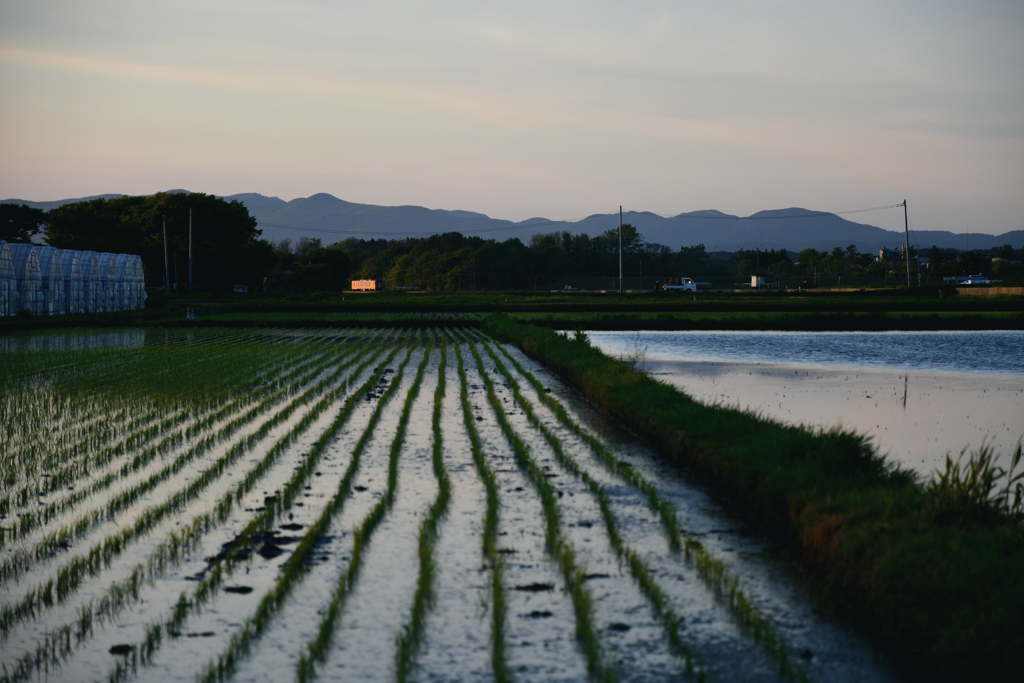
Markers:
(364, 285)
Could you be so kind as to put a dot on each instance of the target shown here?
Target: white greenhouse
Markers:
(49, 281)
(8, 286)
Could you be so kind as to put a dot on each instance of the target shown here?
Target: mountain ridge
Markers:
(330, 218)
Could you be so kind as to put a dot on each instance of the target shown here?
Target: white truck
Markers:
(685, 284)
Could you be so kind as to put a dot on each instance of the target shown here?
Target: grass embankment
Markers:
(936, 584)
(924, 308)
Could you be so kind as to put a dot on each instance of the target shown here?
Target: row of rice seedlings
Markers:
(60, 642)
(231, 384)
(30, 363)
(131, 388)
(641, 573)
(126, 368)
(39, 368)
(235, 388)
(557, 546)
(715, 573)
(624, 470)
(316, 651)
(46, 457)
(70, 576)
(499, 663)
(411, 635)
(22, 560)
(295, 566)
(224, 566)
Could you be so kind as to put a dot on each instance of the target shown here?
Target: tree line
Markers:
(227, 250)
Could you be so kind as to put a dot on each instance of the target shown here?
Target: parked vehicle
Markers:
(685, 284)
(976, 280)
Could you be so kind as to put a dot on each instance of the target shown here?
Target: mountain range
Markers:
(331, 219)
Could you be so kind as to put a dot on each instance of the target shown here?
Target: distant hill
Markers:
(332, 219)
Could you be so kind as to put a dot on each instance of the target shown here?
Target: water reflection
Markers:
(73, 340)
(946, 413)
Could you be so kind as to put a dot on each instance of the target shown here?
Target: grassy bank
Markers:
(916, 309)
(931, 573)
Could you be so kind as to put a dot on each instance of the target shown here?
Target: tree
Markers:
(20, 223)
(691, 259)
(223, 235)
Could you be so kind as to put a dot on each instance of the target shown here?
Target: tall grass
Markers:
(974, 487)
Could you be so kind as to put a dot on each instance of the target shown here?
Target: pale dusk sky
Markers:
(555, 109)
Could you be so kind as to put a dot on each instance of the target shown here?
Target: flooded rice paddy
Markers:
(366, 505)
(919, 396)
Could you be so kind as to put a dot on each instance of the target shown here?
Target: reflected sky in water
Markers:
(987, 351)
(919, 396)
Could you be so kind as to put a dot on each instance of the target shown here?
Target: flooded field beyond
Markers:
(918, 396)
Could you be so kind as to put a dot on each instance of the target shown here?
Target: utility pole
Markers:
(620, 248)
(906, 240)
(190, 248)
(167, 275)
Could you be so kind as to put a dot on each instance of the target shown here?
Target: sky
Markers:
(554, 109)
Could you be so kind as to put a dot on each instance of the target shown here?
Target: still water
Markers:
(918, 395)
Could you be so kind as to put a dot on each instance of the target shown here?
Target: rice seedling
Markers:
(560, 550)
(83, 450)
(499, 664)
(21, 561)
(176, 434)
(724, 583)
(316, 651)
(296, 565)
(626, 472)
(54, 647)
(71, 575)
(412, 633)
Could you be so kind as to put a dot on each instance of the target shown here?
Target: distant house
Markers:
(761, 280)
(365, 285)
